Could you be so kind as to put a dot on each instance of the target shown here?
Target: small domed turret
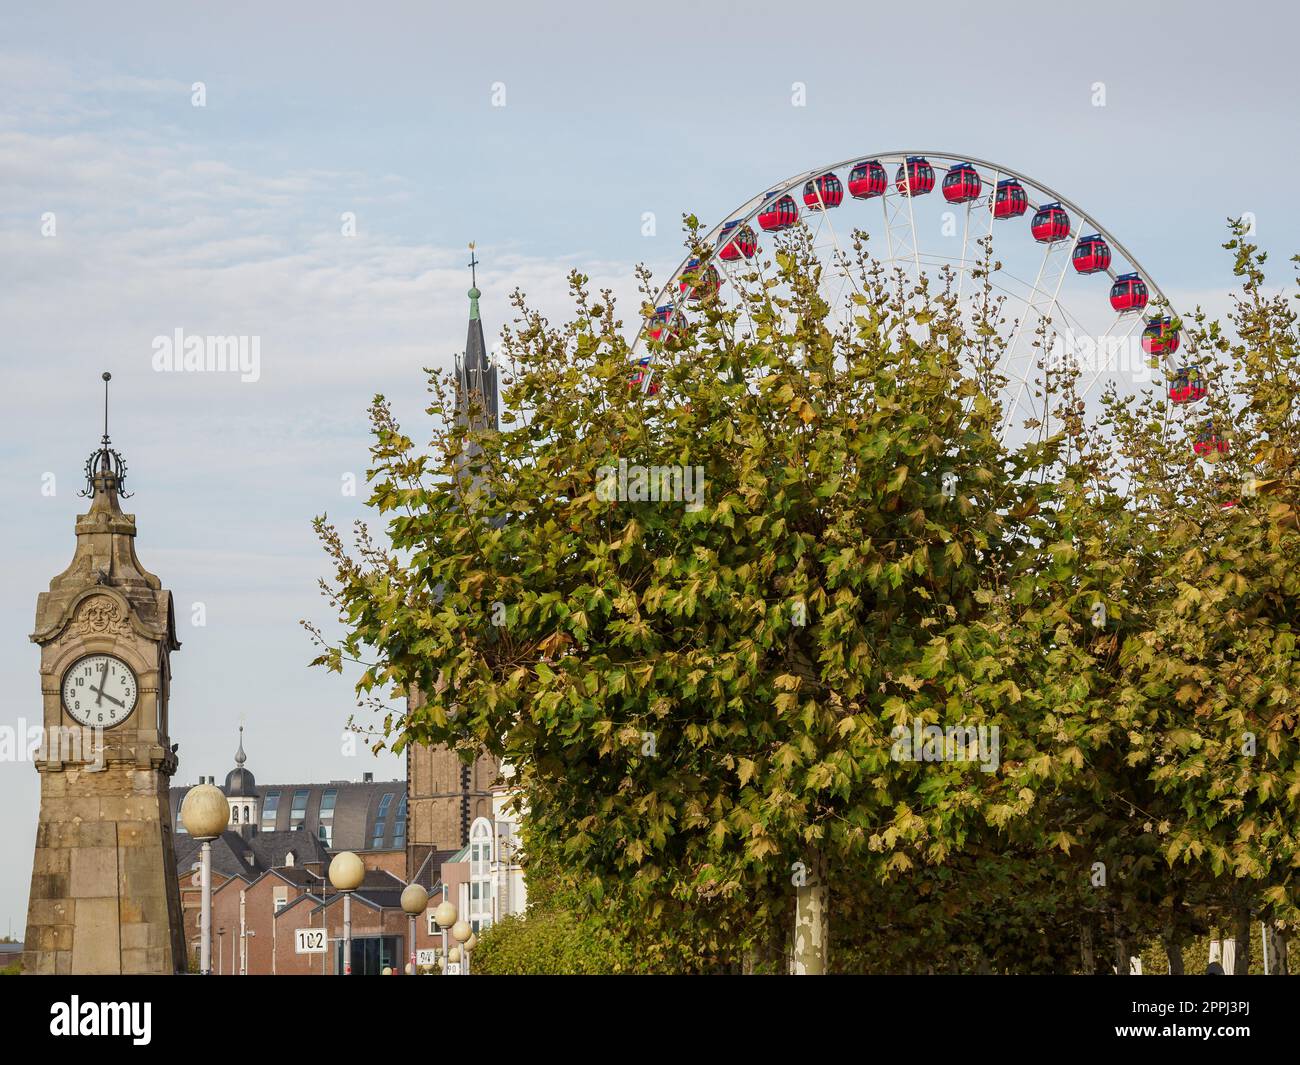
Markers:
(239, 781)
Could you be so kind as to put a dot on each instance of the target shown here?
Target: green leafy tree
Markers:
(700, 696)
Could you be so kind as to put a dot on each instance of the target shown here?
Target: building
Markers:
(270, 874)
(291, 830)
(485, 878)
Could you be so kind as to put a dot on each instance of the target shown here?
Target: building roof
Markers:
(427, 876)
(356, 815)
(233, 855)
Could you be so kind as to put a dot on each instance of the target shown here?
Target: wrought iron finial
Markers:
(105, 469)
(473, 262)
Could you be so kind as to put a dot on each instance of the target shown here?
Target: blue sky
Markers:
(225, 219)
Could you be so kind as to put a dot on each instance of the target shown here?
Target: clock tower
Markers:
(104, 897)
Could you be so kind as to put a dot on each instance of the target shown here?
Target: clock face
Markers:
(100, 691)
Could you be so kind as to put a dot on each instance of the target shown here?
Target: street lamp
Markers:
(461, 932)
(444, 917)
(205, 814)
(414, 901)
(346, 873)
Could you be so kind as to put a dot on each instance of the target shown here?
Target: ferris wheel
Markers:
(1066, 286)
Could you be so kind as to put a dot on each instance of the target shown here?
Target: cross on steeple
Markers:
(473, 262)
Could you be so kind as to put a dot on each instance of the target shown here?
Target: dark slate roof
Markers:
(357, 821)
(429, 874)
(240, 783)
(232, 855)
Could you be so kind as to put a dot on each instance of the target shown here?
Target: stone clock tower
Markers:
(105, 898)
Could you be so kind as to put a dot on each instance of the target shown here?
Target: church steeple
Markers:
(475, 374)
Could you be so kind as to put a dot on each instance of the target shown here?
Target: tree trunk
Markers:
(1174, 951)
(1277, 944)
(811, 924)
(1241, 932)
(1173, 948)
(1121, 949)
(1086, 953)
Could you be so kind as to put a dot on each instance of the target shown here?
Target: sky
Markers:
(544, 133)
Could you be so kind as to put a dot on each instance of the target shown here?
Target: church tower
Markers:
(444, 795)
(104, 897)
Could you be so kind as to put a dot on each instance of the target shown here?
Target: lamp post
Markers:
(471, 945)
(205, 814)
(461, 932)
(346, 874)
(445, 917)
(414, 901)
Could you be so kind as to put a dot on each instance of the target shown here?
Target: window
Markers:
(326, 827)
(370, 954)
(399, 827)
(298, 813)
(381, 820)
(269, 808)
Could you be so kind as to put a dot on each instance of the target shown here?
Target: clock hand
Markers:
(103, 675)
(105, 695)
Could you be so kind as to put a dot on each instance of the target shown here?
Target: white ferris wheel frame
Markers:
(903, 248)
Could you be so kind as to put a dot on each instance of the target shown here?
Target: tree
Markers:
(701, 694)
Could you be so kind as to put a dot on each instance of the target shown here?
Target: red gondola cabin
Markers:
(699, 282)
(778, 214)
(637, 380)
(1187, 386)
(738, 240)
(962, 183)
(825, 191)
(1010, 200)
(1209, 445)
(1159, 337)
(1050, 224)
(915, 177)
(1128, 293)
(666, 323)
(1091, 255)
(867, 179)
